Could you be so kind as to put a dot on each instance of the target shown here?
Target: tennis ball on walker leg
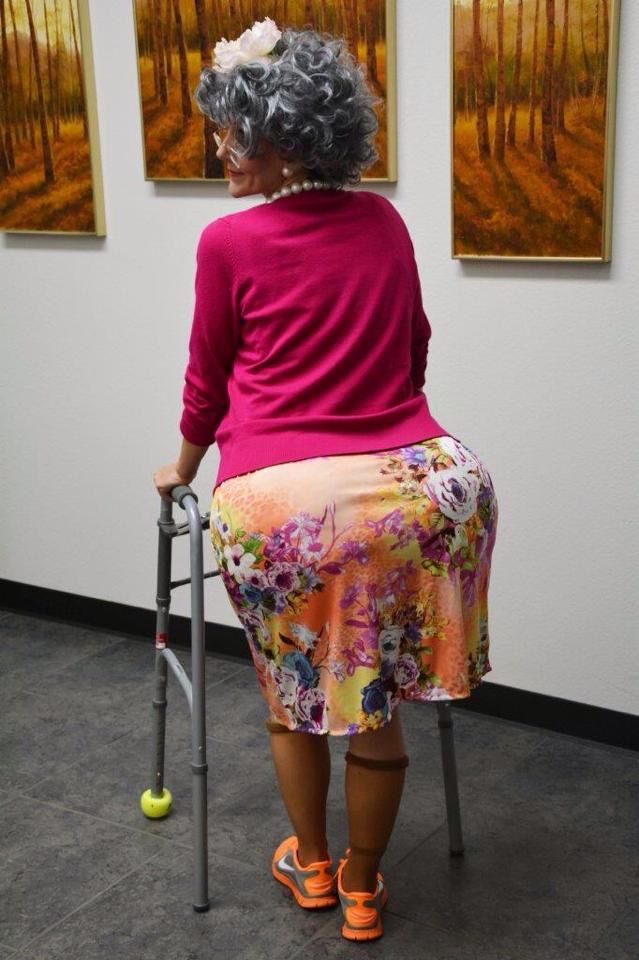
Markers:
(156, 807)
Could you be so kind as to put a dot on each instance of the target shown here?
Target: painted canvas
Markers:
(50, 177)
(175, 40)
(533, 113)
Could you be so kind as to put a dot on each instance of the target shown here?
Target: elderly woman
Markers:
(354, 534)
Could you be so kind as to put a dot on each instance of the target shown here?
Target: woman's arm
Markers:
(189, 460)
(215, 334)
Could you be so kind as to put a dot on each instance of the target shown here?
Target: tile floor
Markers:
(551, 825)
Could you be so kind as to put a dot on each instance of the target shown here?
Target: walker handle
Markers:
(180, 492)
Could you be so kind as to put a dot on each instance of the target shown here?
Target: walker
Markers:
(156, 801)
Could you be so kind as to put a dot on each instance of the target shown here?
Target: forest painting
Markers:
(533, 104)
(50, 180)
(175, 40)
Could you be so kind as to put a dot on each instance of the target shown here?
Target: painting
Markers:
(50, 175)
(532, 127)
(175, 41)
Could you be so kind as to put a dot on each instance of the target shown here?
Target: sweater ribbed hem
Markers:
(257, 444)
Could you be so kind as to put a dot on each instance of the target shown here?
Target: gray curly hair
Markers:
(311, 102)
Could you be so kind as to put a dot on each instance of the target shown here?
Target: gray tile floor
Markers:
(551, 825)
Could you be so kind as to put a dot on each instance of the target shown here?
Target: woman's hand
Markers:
(167, 477)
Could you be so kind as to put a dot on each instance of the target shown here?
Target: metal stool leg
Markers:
(447, 741)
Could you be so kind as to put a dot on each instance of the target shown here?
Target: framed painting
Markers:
(50, 173)
(533, 98)
(175, 40)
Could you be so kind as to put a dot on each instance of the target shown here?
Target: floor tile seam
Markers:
(112, 823)
(87, 903)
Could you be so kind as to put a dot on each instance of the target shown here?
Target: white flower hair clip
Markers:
(253, 44)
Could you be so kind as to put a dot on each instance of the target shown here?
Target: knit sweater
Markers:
(309, 337)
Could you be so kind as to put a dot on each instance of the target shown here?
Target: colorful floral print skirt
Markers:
(360, 580)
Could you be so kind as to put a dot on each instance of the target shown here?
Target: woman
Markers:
(353, 533)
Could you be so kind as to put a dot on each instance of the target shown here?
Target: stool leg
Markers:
(447, 742)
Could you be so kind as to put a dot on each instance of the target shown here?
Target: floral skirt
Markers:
(360, 580)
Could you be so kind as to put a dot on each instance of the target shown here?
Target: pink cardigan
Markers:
(309, 337)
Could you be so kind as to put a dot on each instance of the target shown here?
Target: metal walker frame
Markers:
(157, 800)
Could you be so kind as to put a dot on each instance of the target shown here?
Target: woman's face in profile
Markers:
(260, 174)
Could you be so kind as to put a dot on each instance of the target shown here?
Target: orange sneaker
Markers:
(313, 885)
(362, 909)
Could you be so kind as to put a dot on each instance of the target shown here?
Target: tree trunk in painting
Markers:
(512, 120)
(500, 98)
(47, 159)
(344, 11)
(151, 46)
(483, 139)
(4, 166)
(371, 40)
(533, 80)
(596, 84)
(30, 101)
(58, 54)
(158, 43)
(23, 101)
(233, 18)
(6, 83)
(187, 107)
(353, 16)
(216, 22)
(607, 43)
(324, 24)
(309, 19)
(78, 65)
(167, 33)
(549, 152)
(213, 167)
(584, 49)
(563, 70)
(55, 125)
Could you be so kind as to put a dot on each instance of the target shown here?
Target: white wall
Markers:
(532, 364)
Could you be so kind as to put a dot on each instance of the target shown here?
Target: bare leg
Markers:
(303, 767)
(372, 799)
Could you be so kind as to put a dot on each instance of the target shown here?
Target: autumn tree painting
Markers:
(175, 40)
(49, 175)
(533, 101)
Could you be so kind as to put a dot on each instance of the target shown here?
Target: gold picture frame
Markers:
(544, 193)
(174, 141)
(50, 170)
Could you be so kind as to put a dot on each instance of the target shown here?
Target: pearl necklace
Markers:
(304, 185)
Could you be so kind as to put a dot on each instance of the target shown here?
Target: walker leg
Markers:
(156, 801)
(199, 765)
